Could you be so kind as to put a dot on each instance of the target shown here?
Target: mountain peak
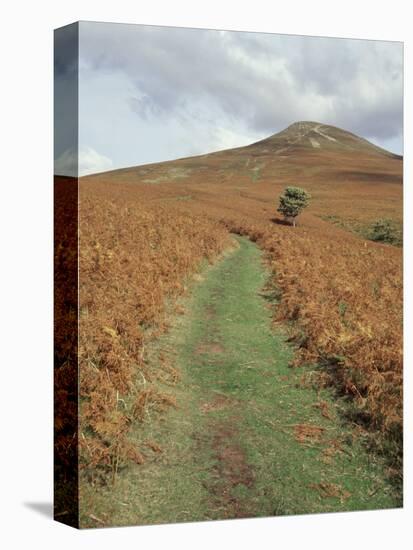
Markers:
(303, 125)
(308, 135)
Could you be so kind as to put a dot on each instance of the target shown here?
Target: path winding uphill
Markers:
(251, 436)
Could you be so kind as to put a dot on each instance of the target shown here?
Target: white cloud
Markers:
(90, 162)
(66, 164)
(85, 161)
(225, 138)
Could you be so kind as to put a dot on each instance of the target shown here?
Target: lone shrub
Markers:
(292, 202)
(384, 231)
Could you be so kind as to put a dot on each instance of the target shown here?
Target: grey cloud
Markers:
(252, 83)
(66, 52)
(66, 55)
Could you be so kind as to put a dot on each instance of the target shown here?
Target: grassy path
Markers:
(251, 436)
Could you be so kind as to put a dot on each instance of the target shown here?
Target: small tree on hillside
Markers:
(292, 202)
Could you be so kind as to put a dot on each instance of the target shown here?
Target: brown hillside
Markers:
(349, 177)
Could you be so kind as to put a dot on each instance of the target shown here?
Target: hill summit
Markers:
(314, 135)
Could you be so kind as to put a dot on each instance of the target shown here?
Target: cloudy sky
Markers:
(148, 94)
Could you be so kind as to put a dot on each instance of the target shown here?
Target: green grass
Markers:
(230, 448)
(393, 235)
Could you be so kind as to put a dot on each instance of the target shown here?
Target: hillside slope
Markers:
(349, 178)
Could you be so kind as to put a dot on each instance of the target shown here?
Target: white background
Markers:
(26, 271)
